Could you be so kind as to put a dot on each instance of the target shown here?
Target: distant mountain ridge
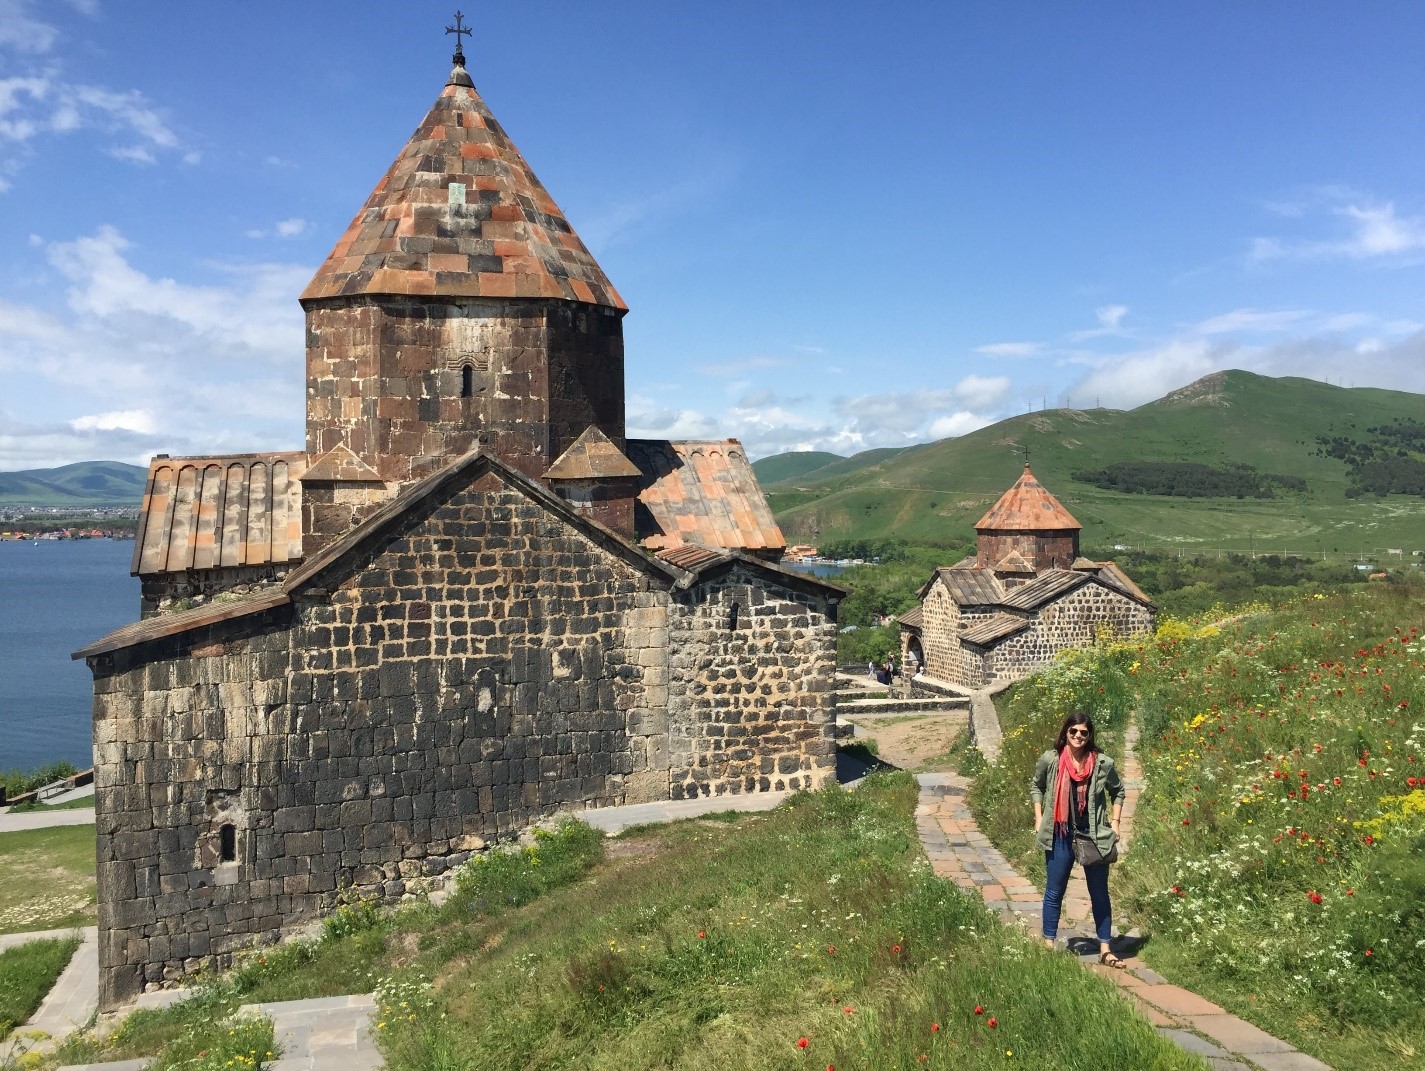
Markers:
(933, 493)
(85, 484)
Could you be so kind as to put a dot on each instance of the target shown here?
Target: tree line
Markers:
(1188, 479)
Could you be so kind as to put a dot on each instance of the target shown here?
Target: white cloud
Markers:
(142, 364)
(1111, 315)
(981, 392)
(290, 228)
(956, 424)
(140, 421)
(18, 30)
(1010, 349)
(1366, 229)
(1252, 320)
(1110, 322)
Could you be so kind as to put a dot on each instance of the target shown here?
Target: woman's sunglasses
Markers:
(1078, 732)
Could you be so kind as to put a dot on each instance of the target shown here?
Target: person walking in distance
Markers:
(1073, 786)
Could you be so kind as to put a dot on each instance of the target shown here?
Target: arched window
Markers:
(467, 381)
(227, 843)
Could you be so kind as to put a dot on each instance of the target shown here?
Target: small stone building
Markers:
(1025, 596)
(469, 602)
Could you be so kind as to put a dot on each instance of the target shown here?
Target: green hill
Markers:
(790, 465)
(935, 493)
(78, 486)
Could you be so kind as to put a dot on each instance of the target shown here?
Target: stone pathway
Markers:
(71, 1003)
(959, 852)
(324, 1034)
(12, 823)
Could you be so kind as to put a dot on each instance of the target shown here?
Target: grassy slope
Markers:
(791, 465)
(925, 492)
(27, 973)
(1224, 859)
(86, 483)
(711, 943)
(46, 878)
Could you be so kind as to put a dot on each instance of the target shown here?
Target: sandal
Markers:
(1108, 959)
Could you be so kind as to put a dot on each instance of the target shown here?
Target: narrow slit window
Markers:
(732, 617)
(467, 381)
(227, 843)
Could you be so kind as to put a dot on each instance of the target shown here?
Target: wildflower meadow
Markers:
(1278, 856)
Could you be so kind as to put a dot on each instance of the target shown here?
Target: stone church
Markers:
(468, 602)
(1025, 596)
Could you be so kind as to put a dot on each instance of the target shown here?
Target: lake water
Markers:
(55, 597)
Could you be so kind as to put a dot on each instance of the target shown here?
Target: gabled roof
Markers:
(681, 567)
(460, 214)
(993, 630)
(914, 618)
(211, 512)
(1027, 507)
(593, 455)
(701, 492)
(968, 586)
(1045, 588)
(1112, 575)
(1014, 562)
(340, 465)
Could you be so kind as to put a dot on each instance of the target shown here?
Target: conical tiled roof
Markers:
(460, 214)
(1027, 507)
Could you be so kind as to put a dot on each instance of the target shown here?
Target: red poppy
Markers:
(935, 1027)
(993, 1022)
(1186, 822)
(847, 1010)
(831, 950)
(979, 1009)
(1314, 896)
(702, 934)
(803, 1042)
(1369, 952)
(896, 949)
(1370, 839)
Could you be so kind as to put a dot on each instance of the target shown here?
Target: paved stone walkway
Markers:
(11, 823)
(324, 1034)
(71, 1003)
(960, 852)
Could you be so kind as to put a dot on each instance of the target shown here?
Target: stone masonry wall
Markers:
(162, 592)
(384, 377)
(1071, 621)
(477, 669)
(940, 617)
(751, 703)
(1044, 550)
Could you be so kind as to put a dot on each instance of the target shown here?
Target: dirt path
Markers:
(916, 742)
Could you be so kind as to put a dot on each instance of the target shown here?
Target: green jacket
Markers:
(1105, 785)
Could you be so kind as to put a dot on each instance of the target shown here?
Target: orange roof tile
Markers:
(703, 493)
(1027, 507)
(431, 225)
(216, 512)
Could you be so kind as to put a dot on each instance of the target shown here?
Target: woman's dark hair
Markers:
(1078, 717)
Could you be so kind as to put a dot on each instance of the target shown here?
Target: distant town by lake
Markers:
(55, 596)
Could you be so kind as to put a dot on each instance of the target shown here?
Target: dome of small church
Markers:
(460, 214)
(1027, 507)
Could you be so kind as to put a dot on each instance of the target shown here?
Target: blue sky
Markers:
(836, 227)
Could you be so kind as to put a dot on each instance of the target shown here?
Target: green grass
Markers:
(27, 973)
(697, 944)
(79, 804)
(935, 492)
(47, 878)
(1278, 855)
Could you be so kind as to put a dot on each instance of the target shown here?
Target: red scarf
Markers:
(1061, 788)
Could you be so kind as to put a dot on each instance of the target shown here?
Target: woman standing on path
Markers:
(1078, 780)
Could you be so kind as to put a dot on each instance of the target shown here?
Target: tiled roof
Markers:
(1114, 576)
(593, 455)
(156, 628)
(701, 492)
(211, 512)
(912, 618)
(972, 587)
(990, 631)
(1044, 588)
(690, 557)
(1027, 507)
(460, 214)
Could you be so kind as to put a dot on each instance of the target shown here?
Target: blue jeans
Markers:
(1057, 865)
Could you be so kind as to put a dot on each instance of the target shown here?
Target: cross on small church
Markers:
(458, 29)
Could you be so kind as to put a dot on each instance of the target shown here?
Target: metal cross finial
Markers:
(459, 58)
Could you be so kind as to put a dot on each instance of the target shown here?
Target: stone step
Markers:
(861, 708)
(322, 1034)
